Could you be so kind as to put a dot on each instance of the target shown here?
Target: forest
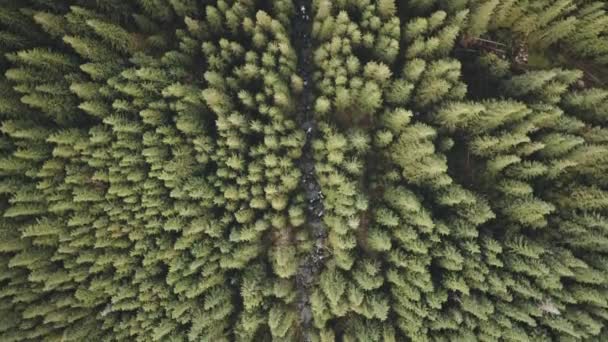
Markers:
(303, 170)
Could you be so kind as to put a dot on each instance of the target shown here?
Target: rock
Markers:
(310, 267)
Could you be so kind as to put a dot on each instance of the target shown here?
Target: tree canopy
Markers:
(303, 170)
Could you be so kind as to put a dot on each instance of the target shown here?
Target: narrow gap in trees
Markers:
(312, 264)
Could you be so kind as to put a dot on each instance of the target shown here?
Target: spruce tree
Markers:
(303, 170)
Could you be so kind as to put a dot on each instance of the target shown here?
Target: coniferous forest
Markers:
(303, 170)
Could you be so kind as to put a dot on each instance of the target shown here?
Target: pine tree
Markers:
(315, 171)
(480, 16)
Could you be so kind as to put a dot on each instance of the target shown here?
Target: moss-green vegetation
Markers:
(303, 170)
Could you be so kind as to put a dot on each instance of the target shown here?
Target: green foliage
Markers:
(480, 17)
(427, 170)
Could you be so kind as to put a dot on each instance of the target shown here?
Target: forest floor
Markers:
(311, 265)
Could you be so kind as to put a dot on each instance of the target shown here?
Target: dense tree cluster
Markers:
(157, 162)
